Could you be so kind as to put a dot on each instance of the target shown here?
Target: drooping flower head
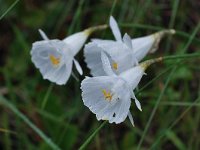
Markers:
(109, 97)
(124, 52)
(54, 58)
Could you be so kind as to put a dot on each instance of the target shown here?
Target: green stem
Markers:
(83, 146)
(183, 56)
(96, 28)
(149, 62)
(44, 102)
(155, 108)
(9, 105)
(13, 5)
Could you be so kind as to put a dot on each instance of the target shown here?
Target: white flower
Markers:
(109, 97)
(124, 52)
(54, 58)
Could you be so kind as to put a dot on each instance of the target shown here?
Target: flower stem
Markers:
(83, 146)
(90, 30)
(149, 62)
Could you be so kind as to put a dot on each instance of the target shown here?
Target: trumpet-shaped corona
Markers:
(54, 58)
(124, 51)
(109, 97)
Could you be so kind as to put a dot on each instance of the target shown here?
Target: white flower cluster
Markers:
(114, 65)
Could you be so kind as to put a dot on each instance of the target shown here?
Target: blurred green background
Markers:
(171, 116)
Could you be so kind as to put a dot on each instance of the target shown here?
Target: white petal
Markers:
(93, 97)
(43, 35)
(115, 29)
(101, 42)
(106, 64)
(76, 41)
(142, 46)
(137, 102)
(133, 76)
(92, 54)
(127, 41)
(78, 67)
(118, 52)
(131, 118)
(40, 56)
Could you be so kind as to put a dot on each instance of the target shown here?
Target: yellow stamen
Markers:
(55, 61)
(115, 66)
(107, 95)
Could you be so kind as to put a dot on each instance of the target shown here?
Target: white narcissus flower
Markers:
(54, 58)
(124, 52)
(109, 97)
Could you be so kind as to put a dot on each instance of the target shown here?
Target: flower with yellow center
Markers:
(54, 58)
(124, 52)
(109, 97)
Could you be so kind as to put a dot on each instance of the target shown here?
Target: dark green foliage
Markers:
(63, 118)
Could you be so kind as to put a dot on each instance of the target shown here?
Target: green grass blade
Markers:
(46, 97)
(77, 14)
(180, 104)
(191, 105)
(174, 12)
(183, 56)
(176, 140)
(89, 139)
(172, 20)
(155, 108)
(154, 79)
(9, 9)
(174, 123)
(165, 86)
(113, 7)
(9, 105)
(191, 37)
(142, 10)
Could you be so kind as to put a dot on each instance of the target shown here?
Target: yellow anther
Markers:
(107, 95)
(115, 65)
(55, 61)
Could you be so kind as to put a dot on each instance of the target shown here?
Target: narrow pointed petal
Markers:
(78, 67)
(43, 35)
(138, 104)
(136, 101)
(115, 29)
(131, 118)
(106, 64)
(127, 40)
